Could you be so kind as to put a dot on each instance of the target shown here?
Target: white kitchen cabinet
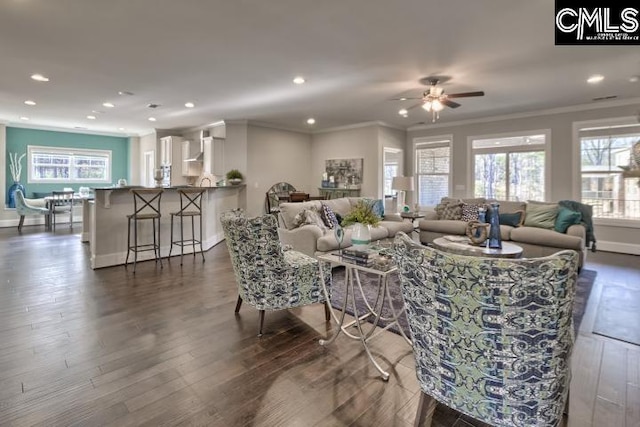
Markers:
(190, 151)
(213, 156)
(170, 148)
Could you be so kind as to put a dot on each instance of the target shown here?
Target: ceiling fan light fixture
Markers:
(427, 106)
(403, 112)
(436, 105)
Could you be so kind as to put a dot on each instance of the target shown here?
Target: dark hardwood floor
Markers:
(163, 347)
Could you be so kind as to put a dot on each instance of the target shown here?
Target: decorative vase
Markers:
(495, 241)
(360, 236)
(11, 194)
(235, 181)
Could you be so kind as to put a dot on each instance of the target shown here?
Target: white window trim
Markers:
(577, 171)
(68, 151)
(547, 155)
(435, 141)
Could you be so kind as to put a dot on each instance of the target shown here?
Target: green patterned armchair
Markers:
(269, 276)
(492, 338)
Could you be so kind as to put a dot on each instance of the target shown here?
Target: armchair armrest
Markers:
(303, 239)
(392, 217)
(578, 230)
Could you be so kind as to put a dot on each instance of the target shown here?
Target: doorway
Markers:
(149, 167)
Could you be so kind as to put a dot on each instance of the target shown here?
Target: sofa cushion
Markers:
(542, 237)
(340, 206)
(393, 227)
(328, 242)
(515, 219)
(566, 217)
(288, 211)
(329, 217)
(449, 211)
(470, 211)
(475, 201)
(309, 217)
(444, 226)
(541, 215)
(507, 206)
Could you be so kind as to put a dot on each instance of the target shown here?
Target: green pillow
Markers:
(513, 219)
(541, 216)
(566, 217)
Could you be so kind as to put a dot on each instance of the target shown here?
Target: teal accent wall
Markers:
(17, 140)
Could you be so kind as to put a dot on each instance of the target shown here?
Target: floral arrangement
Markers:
(363, 213)
(14, 166)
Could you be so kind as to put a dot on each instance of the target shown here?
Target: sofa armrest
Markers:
(303, 239)
(392, 217)
(430, 215)
(578, 230)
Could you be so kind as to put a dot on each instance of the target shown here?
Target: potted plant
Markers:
(362, 217)
(234, 176)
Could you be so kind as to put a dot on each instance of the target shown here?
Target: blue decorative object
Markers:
(495, 241)
(482, 219)
(11, 194)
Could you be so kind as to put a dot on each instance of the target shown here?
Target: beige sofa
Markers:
(535, 242)
(311, 239)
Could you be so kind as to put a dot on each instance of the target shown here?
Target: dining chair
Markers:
(492, 337)
(28, 207)
(298, 196)
(270, 276)
(277, 194)
(61, 202)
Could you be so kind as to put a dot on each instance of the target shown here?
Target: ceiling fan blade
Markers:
(465, 94)
(449, 103)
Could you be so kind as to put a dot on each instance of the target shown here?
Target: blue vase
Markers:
(482, 219)
(495, 241)
(11, 194)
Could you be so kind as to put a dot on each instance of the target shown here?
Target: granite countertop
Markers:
(176, 187)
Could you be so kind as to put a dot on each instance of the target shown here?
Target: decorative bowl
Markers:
(235, 181)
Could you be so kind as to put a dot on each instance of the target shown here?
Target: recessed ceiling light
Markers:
(121, 129)
(311, 121)
(634, 79)
(90, 117)
(596, 78)
(30, 102)
(125, 93)
(152, 119)
(24, 118)
(403, 99)
(189, 104)
(108, 104)
(39, 78)
(403, 112)
(299, 80)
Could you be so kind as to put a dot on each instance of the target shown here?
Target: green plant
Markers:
(363, 213)
(234, 174)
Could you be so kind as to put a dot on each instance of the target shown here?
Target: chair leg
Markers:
(201, 250)
(238, 304)
(426, 408)
(261, 322)
(327, 312)
(21, 223)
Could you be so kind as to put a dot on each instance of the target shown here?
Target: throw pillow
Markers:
(566, 218)
(377, 206)
(328, 217)
(469, 212)
(308, 217)
(452, 211)
(514, 219)
(541, 215)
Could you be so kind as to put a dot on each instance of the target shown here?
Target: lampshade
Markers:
(402, 183)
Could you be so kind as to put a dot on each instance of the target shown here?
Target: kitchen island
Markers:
(107, 221)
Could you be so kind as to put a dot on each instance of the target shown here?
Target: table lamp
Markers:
(402, 184)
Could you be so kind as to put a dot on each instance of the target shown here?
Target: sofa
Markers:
(312, 239)
(535, 240)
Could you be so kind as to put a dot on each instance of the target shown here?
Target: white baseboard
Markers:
(623, 248)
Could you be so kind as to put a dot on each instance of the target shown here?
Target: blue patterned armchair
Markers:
(492, 338)
(270, 277)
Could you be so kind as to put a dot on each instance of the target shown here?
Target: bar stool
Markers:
(146, 206)
(190, 206)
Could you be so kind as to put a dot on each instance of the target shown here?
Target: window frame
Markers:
(90, 152)
(546, 148)
(579, 126)
(432, 142)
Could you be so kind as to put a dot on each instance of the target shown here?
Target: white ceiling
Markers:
(236, 59)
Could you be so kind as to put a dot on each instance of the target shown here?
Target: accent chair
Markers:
(270, 276)
(26, 207)
(492, 337)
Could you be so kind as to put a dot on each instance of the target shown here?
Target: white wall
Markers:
(4, 213)
(564, 174)
(352, 143)
(276, 155)
(135, 161)
(147, 143)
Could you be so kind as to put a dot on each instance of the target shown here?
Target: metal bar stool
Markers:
(146, 206)
(190, 206)
(61, 202)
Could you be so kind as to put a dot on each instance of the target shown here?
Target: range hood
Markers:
(200, 156)
(197, 158)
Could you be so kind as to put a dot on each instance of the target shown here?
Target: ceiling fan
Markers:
(434, 100)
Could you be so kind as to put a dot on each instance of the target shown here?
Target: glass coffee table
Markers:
(362, 332)
(460, 245)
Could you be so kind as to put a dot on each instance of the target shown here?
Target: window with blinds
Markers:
(66, 165)
(432, 170)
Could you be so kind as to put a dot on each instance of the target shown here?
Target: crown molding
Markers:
(346, 127)
(274, 126)
(549, 111)
(67, 130)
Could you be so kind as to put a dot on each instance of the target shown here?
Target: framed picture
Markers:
(346, 173)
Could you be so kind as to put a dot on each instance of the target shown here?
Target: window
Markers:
(602, 151)
(53, 164)
(510, 167)
(433, 167)
(392, 167)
